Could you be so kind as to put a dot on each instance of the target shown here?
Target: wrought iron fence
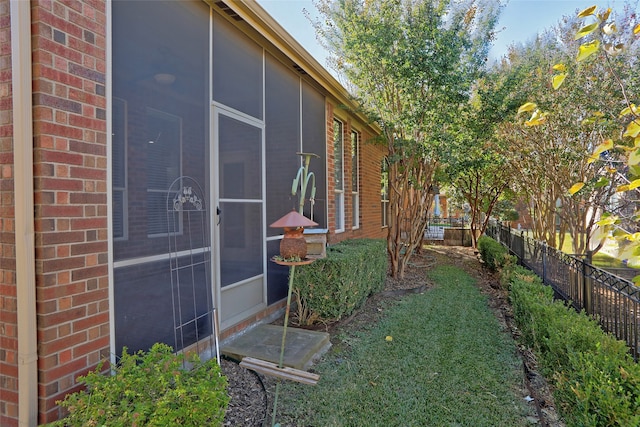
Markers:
(612, 300)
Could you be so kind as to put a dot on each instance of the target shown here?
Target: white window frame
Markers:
(338, 164)
(123, 190)
(355, 179)
(178, 119)
(384, 191)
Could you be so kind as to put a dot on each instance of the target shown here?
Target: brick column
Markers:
(8, 300)
(70, 193)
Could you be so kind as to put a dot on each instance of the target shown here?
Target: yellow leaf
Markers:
(634, 184)
(529, 106)
(633, 237)
(633, 262)
(622, 188)
(557, 80)
(605, 146)
(630, 109)
(537, 118)
(560, 67)
(592, 158)
(633, 129)
(636, 29)
(636, 142)
(586, 12)
(607, 220)
(587, 29)
(587, 49)
(388, 338)
(576, 187)
(634, 158)
(605, 15)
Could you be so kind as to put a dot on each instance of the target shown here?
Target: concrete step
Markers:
(263, 342)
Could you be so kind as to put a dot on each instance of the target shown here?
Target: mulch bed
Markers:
(251, 393)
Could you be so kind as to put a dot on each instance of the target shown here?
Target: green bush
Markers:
(150, 389)
(493, 254)
(595, 380)
(335, 286)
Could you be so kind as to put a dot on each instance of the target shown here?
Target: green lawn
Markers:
(448, 364)
(600, 259)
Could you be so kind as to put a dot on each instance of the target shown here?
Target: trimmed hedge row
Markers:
(493, 254)
(335, 286)
(595, 380)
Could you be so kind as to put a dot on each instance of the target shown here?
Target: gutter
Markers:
(21, 78)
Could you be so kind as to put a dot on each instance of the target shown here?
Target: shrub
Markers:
(493, 254)
(596, 382)
(150, 389)
(335, 286)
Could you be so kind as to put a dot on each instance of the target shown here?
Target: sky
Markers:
(520, 21)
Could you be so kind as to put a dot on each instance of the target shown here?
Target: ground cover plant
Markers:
(150, 389)
(438, 357)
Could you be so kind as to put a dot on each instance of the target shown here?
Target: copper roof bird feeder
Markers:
(293, 246)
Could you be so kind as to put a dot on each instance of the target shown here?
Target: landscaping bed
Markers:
(248, 405)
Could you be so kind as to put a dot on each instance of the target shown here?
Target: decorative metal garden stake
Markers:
(294, 223)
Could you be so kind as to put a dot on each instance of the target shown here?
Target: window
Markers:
(338, 174)
(355, 172)
(384, 191)
(163, 167)
(119, 169)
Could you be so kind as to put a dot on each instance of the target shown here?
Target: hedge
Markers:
(493, 254)
(335, 286)
(595, 380)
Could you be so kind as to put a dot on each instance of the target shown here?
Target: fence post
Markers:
(544, 262)
(587, 283)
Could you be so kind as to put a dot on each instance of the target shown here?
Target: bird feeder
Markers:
(293, 245)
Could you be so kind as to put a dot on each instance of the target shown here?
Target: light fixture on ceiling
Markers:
(164, 78)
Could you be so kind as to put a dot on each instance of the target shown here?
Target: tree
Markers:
(475, 165)
(603, 73)
(410, 64)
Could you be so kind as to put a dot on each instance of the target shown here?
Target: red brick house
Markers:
(105, 104)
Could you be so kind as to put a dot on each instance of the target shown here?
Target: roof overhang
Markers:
(264, 24)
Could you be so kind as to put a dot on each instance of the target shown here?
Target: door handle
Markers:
(219, 213)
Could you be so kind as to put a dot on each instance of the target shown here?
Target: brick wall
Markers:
(8, 302)
(369, 176)
(70, 193)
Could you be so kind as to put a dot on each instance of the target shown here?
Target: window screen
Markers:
(237, 69)
(282, 133)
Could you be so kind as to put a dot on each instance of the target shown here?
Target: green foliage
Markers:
(411, 64)
(493, 254)
(333, 287)
(581, 88)
(448, 363)
(596, 382)
(150, 389)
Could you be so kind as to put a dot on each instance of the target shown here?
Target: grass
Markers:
(600, 259)
(448, 364)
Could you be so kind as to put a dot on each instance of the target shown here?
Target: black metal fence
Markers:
(612, 300)
(450, 221)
